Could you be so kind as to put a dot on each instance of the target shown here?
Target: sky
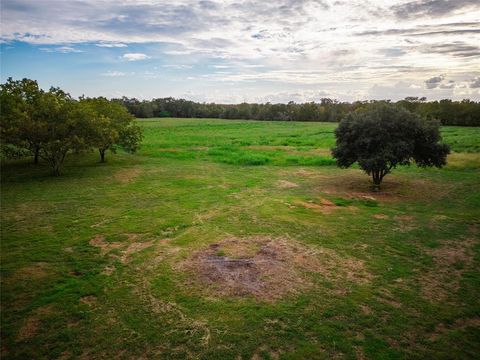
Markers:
(231, 51)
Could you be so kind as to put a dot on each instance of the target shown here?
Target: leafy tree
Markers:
(20, 123)
(111, 126)
(64, 127)
(383, 136)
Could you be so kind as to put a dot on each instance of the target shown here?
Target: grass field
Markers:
(240, 240)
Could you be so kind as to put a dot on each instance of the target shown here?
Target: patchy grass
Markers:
(240, 239)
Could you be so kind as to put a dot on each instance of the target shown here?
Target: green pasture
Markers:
(92, 262)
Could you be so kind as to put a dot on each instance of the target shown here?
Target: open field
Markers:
(240, 240)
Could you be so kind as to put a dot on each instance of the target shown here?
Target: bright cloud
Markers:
(135, 56)
(61, 49)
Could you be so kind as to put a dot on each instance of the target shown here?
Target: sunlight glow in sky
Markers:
(255, 51)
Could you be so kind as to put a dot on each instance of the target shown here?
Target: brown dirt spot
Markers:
(325, 206)
(306, 173)
(126, 176)
(405, 223)
(268, 268)
(109, 270)
(354, 184)
(450, 262)
(365, 309)
(32, 323)
(128, 248)
(133, 248)
(89, 300)
(29, 329)
(326, 202)
(284, 184)
(460, 324)
(380, 216)
(105, 247)
(37, 270)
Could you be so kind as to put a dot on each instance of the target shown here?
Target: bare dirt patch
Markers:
(355, 184)
(323, 205)
(89, 300)
(284, 184)
(460, 324)
(32, 323)
(105, 247)
(133, 248)
(109, 270)
(380, 216)
(450, 262)
(405, 223)
(127, 248)
(268, 268)
(37, 270)
(29, 328)
(126, 176)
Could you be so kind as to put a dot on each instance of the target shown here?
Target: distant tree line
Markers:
(448, 112)
(50, 124)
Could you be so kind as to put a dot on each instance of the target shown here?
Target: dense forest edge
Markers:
(448, 112)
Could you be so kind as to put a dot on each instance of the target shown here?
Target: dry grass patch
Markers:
(460, 324)
(284, 184)
(324, 206)
(89, 300)
(355, 184)
(134, 248)
(463, 160)
(104, 246)
(32, 323)
(450, 262)
(127, 248)
(268, 268)
(127, 175)
(405, 223)
(35, 271)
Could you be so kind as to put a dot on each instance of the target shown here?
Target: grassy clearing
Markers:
(100, 262)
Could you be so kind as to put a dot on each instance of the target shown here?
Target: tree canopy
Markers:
(113, 126)
(448, 112)
(50, 124)
(383, 136)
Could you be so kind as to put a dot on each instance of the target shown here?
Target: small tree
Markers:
(383, 136)
(111, 126)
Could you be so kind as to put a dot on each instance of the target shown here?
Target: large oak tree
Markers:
(383, 136)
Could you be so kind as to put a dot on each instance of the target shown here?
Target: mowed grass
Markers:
(92, 260)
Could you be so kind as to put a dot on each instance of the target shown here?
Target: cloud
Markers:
(114, 74)
(177, 66)
(457, 28)
(475, 83)
(135, 56)
(457, 48)
(434, 82)
(61, 49)
(111, 45)
(342, 47)
(449, 85)
(431, 8)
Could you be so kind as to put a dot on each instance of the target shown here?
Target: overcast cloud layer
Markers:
(234, 51)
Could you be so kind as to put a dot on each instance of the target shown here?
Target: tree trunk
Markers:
(377, 177)
(56, 170)
(102, 155)
(36, 153)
